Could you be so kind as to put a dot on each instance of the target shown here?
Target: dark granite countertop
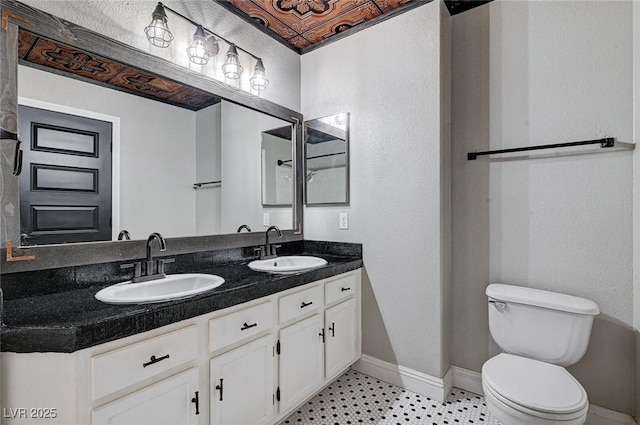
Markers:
(72, 320)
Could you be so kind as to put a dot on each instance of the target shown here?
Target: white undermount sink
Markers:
(287, 264)
(172, 287)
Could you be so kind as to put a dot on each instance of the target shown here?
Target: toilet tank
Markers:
(542, 325)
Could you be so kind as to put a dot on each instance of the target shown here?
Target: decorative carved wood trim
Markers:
(40, 52)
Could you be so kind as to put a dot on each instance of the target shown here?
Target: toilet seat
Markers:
(534, 388)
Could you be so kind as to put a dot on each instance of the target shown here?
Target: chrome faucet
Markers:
(269, 251)
(244, 226)
(153, 269)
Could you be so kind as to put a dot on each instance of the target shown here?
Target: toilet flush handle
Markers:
(500, 305)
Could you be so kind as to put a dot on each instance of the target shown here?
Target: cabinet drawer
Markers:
(294, 305)
(340, 288)
(120, 368)
(233, 327)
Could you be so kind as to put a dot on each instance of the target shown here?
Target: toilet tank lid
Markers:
(541, 298)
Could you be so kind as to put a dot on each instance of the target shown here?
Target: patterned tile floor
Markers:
(354, 398)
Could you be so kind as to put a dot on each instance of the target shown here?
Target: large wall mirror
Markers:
(185, 153)
(327, 160)
(173, 170)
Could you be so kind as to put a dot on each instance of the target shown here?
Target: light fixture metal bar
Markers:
(208, 30)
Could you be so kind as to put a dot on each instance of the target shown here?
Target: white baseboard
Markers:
(601, 416)
(409, 379)
(467, 380)
(470, 380)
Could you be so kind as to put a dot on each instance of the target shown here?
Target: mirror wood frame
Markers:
(17, 15)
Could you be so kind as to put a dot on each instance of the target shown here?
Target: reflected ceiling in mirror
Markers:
(327, 160)
(57, 57)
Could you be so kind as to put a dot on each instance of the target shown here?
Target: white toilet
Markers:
(540, 333)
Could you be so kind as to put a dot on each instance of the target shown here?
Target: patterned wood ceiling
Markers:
(304, 25)
(41, 53)
(459, 6)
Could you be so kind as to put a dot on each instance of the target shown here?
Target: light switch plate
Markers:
(344, 221)
(265, 219)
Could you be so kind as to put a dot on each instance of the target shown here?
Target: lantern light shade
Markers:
(198, 52)
(157, 31)
(259, 82)
(232, 68)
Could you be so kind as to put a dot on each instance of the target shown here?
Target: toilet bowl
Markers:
(540, 332)
(522, 391)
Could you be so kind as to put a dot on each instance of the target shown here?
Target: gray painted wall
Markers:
(470, 187)
(394, 97)
(527, 73)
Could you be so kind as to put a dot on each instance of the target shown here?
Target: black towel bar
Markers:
(608, 142)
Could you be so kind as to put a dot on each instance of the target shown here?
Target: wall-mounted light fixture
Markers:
(157, 31)
(198, 52)
(232, 68)
(204, 46)
(258, 81)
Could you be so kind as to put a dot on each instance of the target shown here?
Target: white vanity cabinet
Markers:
(242, 383)
(241, 379)
(301, 364)
(125, 366)
(249, 364)
(169, 402)
(341, 338)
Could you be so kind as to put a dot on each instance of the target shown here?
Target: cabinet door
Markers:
(169, 402)
(341, 337)
(242, 384)
(301, 361)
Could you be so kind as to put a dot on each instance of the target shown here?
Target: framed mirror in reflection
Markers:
(98, 161)
(327, 160)
(277, 167)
